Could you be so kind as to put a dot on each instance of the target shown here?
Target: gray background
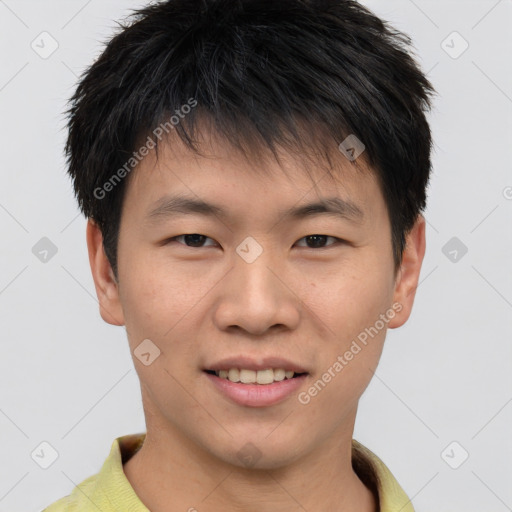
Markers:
(67, 377)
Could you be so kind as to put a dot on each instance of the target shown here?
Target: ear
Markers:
(107, 288)
(409, 273)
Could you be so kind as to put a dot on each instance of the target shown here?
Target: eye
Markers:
(196, 240)
(318, 241)
(190, 239)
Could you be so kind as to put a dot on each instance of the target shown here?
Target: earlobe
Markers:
(409, 273)
(107, 289)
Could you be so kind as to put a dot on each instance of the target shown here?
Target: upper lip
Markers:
(262, 363)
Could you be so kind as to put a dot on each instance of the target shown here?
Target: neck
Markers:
(161, 475)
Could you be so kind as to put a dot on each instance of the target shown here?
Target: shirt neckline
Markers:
(389, 496)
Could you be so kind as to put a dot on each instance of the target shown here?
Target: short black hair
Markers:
(298, 74)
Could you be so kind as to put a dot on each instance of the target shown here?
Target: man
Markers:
(253, 173)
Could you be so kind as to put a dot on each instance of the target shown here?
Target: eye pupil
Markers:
(194, 236)
(316, 239)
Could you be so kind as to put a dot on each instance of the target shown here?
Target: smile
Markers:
(249, 392)
(264, 377)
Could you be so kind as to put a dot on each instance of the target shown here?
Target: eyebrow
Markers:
(173, 205)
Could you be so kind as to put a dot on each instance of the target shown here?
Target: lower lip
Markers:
(257, 395)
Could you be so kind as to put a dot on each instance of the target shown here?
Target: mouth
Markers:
(262, 377)
(256, 388)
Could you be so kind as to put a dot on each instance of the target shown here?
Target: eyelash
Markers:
(337, 240)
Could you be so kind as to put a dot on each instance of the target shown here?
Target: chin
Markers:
(259, 452)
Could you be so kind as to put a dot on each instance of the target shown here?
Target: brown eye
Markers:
(318, 241)
(194, 240)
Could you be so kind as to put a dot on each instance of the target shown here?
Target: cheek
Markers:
(158, 308)
(156, 295)
(348, 306)
(346, 302)
(161, 304)
(347, 367)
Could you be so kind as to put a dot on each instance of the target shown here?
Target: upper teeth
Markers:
(252, 376)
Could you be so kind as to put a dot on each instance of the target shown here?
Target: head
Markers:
(245, 105)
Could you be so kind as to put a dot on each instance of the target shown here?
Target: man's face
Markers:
(255, 283)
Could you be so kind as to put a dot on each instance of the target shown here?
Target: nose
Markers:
(257, 297)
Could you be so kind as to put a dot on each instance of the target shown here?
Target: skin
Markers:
(201, 303)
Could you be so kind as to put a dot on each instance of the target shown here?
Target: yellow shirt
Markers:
(110, 491)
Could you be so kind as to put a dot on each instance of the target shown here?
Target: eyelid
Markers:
(172, 239)
(337, 240)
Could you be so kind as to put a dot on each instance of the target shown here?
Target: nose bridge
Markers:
(255, 298)
(252, 264)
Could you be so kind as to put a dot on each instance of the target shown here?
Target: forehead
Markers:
(223, 176)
